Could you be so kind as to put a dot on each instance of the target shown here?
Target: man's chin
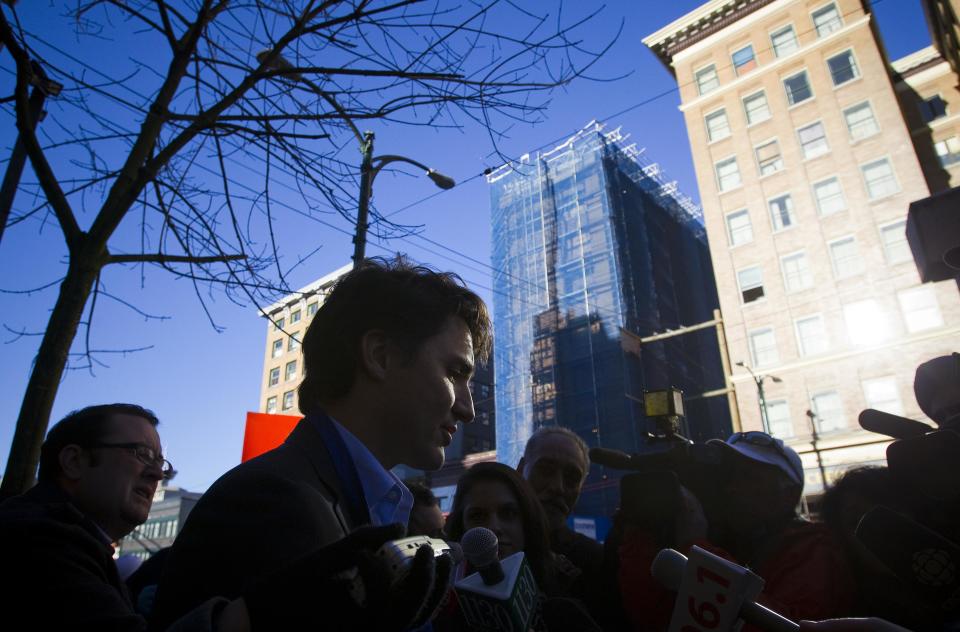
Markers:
(429, 462)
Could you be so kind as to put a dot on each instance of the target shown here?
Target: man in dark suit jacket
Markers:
(388, 359)
(99, 469)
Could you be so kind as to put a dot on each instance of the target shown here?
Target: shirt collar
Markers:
(388, 499)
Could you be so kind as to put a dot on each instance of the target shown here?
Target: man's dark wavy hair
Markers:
(409, 303)
(82, 427)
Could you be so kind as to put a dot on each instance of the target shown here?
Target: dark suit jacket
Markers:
(255, 519)
(59, 572)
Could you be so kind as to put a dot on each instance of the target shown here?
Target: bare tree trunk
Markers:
(48, 369)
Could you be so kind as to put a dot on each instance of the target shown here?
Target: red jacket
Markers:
(806, 577)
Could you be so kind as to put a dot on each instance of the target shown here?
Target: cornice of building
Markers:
(307, 290)
(699, 24)
(917, 62)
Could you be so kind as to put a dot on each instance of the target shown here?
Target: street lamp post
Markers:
(370, 165)
(814, 443)
(758, 380)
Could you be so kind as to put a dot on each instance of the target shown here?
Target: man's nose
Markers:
(463, 405)
(154, 471)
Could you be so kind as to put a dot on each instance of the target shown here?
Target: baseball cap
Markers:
(761, 447)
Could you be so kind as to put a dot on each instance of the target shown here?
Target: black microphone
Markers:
(615, 459)
(481, 548)
(502, 594)
(921, 558)
(668, 568)
(892, 425)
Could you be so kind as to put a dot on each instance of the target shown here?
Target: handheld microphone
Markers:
(614, 459)
(502, 595)
(668, 569)
(923, 559)
(892, 425)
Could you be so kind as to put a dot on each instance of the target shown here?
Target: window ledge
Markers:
(884, 198)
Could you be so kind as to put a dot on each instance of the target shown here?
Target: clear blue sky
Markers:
(200, 382)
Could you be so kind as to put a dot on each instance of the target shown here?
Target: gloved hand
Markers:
(346, 586)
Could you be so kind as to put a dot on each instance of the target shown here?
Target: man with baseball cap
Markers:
(758, 527)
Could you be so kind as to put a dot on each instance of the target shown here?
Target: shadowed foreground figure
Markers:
(388, 359)
(99, 469)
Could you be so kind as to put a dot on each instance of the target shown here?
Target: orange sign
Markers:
(265, 432)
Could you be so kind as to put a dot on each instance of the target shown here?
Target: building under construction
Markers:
(594, 251)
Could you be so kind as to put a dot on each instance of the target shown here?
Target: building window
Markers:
(778, 418)
(278, 324)
(798, 88)
(784, 41)
(829, 196)
(826, 20)
(756, 108)
(295, 317)
(728, 174)
(896, 249)
(813, 140)
(277, 348)
(744, 60)
(948, 150)
(768, 158)
(828, 409)
(879, 179)
(866, 323)
(860, 121)
(717, 125)
(751, 284)
(811, 335)
(288, 400)
(274, 377)
(739, 229)
(707, 79)
(763, 347)
(843, 68)
(293, 343)
(781, 212)
(290, 372)
(920, 308)
(796, 272)
(845, 257)
(933, 108)
(312, 308)
(272, 404)
(882, 394)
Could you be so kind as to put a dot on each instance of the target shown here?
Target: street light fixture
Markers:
(758, 380)
(370, 165)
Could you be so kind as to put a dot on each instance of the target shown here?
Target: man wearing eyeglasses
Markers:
(99, 469)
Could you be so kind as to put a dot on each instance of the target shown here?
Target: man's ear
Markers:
(73, 461)
(376, 352)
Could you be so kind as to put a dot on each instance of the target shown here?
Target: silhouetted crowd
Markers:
(319, 534)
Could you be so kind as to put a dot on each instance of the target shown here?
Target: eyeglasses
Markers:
(145, 454)
(764, 440)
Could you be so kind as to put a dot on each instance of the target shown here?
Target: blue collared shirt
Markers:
(388, 499)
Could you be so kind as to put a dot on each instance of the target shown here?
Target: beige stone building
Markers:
(287, 321)
(806, 167)
(928, 90)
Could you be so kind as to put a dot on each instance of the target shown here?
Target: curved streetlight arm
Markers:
(442, 181)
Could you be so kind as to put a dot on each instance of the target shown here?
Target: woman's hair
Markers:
(536, 541)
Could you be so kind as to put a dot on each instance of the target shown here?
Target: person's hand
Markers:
(691, 525)
(345, 585)
(871, 624)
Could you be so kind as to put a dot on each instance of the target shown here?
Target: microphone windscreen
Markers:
(892, 425)
(612, 458)
(480, 546)
(668, 567)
